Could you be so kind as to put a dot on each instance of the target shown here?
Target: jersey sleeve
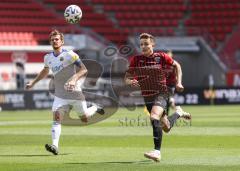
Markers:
(74, 58)
(169, 60)
(46, 61)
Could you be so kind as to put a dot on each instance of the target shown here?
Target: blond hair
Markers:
(54, 33)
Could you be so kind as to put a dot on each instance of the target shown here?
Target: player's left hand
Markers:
(179, 87)
(69, 86)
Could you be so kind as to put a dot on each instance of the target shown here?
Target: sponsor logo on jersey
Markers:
(57, 68)
(157, 59)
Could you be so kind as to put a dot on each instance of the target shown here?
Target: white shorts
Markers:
(78, 105)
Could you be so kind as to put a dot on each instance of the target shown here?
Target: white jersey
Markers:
(63, 68)
(58, 63)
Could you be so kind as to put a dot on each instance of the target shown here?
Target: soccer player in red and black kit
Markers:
(147, 71)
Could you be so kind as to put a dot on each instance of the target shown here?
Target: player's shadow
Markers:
(31, 155)
(115, 162)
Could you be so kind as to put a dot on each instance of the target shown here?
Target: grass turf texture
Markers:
(210, 142)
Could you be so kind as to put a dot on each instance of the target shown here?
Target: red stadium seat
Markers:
(215, 18)
(33, 20)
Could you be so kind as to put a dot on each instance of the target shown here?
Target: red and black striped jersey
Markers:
(171, 77)
(150, 72)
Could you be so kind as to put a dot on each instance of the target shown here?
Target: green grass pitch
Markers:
(211, 141)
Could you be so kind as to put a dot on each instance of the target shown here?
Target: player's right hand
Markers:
(134, 83)
(29, 85)
(69, 87)
(179, 87)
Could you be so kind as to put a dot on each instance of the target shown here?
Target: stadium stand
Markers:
(27, 22)
(230, 52)
(27, 17)
(218, 19)
(146, 16)
(215, 20)
(98, 22)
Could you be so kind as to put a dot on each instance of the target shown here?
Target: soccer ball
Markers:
(73, 14)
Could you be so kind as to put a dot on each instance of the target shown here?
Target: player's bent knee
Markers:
(60, 112)
(156, 112)
(154, 116)
(57, 116)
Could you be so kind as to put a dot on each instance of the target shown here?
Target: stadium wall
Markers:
(199, 62)
(43, 99)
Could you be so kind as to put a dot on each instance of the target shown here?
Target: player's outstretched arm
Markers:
(179, 86)
(40, 76)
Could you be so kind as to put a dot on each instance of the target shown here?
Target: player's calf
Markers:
(165, 124)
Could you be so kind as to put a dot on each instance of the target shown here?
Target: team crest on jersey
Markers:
(157, 59)
(61, 59)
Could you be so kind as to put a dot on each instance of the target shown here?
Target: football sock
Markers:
(56, 131)
(172, 119)
(157, 134)
(167, 108)
(89, 111)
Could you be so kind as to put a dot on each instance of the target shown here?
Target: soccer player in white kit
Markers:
(63, 65)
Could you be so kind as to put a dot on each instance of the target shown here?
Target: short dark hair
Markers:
(54, 33)
(147, 36)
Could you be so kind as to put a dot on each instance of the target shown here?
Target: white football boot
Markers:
(154, 155)
(183, 114)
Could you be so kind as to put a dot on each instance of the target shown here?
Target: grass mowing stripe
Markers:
(118, 131)
(127, 141)
(110, 166)
(94, 155)
(211, 142)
